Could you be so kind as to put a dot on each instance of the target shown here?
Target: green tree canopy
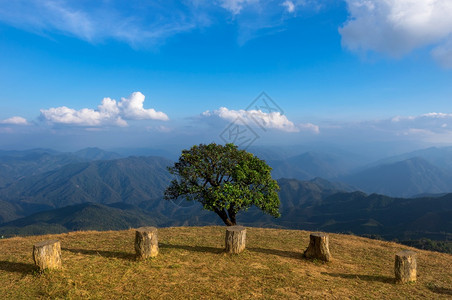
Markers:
(224, 180)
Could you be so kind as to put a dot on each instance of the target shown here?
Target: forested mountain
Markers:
(310, 205)
(129, 180)
(15, 165)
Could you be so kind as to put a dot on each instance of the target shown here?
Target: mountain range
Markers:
(74, 191)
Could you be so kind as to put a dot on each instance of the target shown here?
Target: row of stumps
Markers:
(47, 254)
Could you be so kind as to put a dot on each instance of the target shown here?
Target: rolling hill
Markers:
(192, 264)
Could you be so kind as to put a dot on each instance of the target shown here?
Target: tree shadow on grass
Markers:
(17, 267)
(192, 248)
(115, 254)
(380, 278)
(440, 290)
(282, 253)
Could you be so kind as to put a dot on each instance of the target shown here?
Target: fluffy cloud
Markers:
(273, 120)
(14, 121)
(109, 112)
(396, 27)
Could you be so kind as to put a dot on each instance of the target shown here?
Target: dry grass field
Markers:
(192, 265)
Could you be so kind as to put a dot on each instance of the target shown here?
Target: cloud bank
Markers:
(109, 112)
(429, 123)
(273, 120)
(396, 27)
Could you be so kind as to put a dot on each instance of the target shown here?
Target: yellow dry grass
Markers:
(192, 265)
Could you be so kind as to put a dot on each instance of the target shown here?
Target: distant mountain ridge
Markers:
(438, 156)
(129, 180)
(94, 153)
(312, 164)
(406, 178)
(15, 165)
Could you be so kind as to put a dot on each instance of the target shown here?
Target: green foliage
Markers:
(427, 244)
(224, 180)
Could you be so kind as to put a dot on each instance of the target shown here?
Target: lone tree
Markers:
(224, 180)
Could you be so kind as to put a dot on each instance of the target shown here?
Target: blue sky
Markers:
(142, 73)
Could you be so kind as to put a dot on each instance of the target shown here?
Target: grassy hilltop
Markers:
(192, 264)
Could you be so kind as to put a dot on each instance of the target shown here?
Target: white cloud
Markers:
(290, 6)
(132, 109)
(309, 127)
(396, 27)
(15, 121)
(236, 6)
(273, 120)
(109, 112)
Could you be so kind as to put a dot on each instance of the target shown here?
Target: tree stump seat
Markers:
(318, 247)
(235, 240)
(405, 266)
(146, 242)
(47, 254)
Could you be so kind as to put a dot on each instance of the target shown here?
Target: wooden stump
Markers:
(146, 242)
(405, 266)
(235, 239)
(47, 254)
(318, 247)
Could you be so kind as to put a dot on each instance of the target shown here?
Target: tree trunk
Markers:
(232, 215)
(405, 266)
(235, 239)
(224, 216)
(318, 247)
(146, 242)
(47, 254)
